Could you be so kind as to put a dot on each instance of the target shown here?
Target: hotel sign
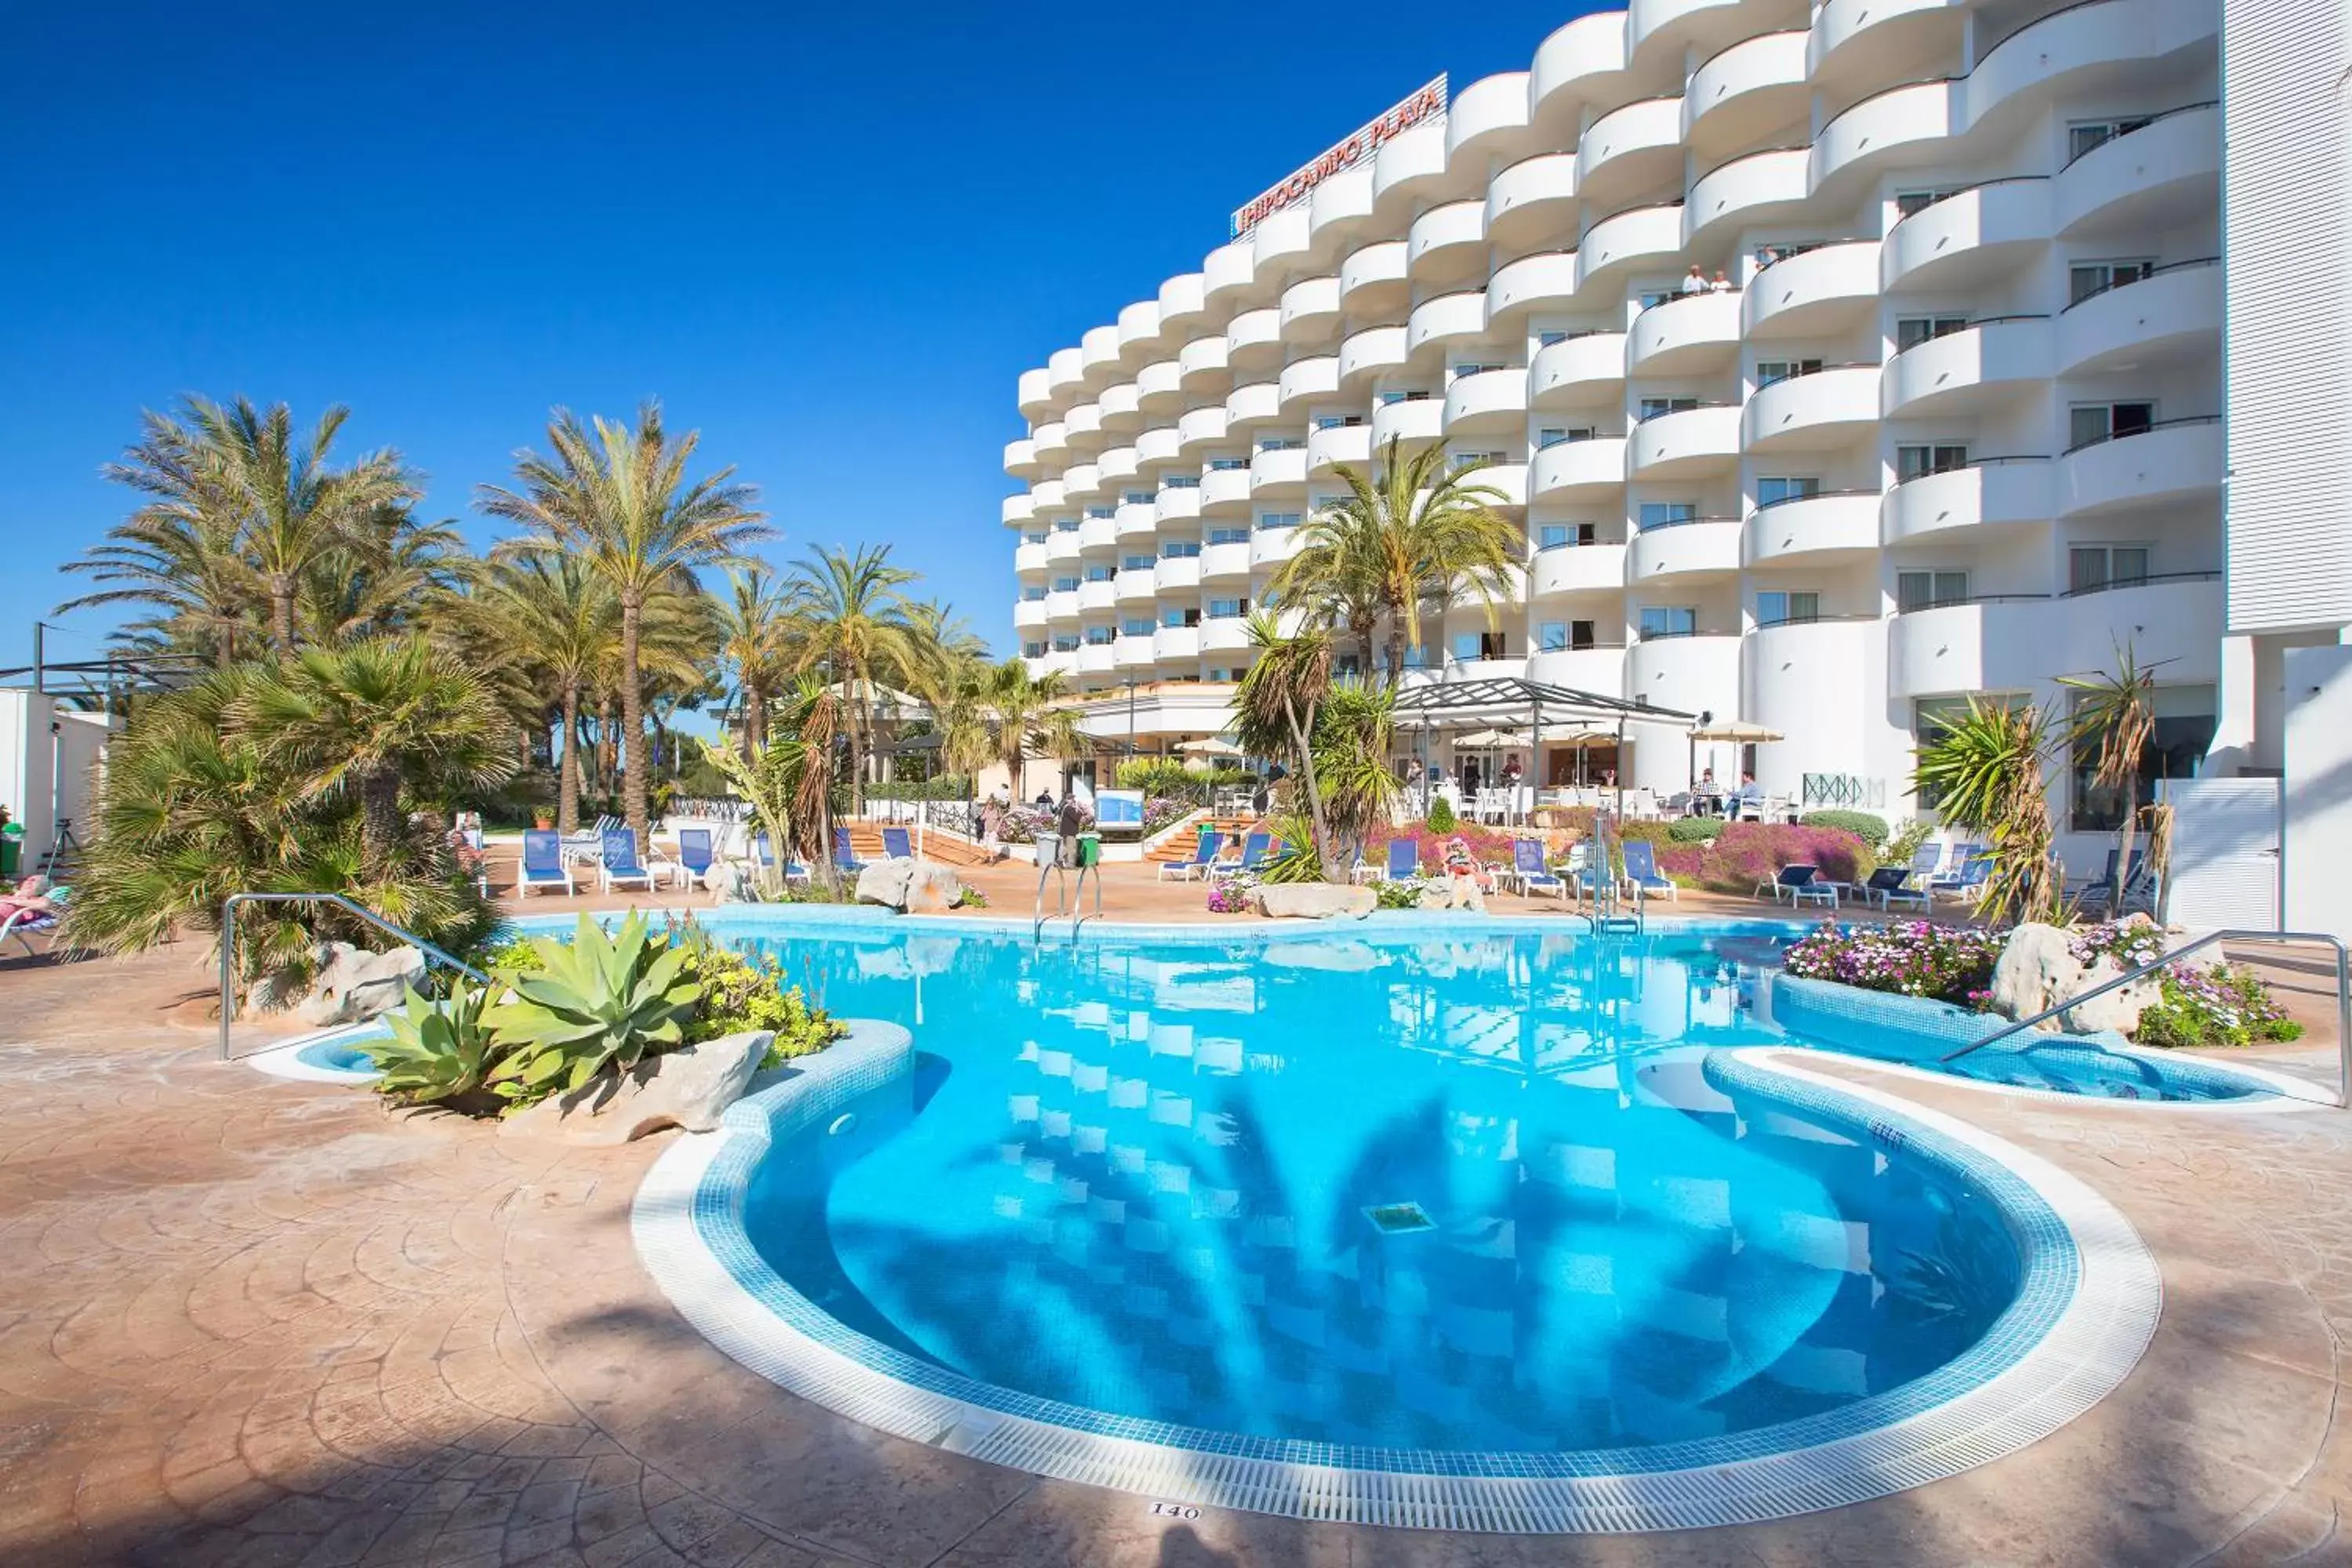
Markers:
(1428, 103)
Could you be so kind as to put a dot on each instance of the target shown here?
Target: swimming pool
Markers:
(1495, 1217)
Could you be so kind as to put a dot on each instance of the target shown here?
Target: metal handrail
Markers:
(228, 945)
(2343, 995)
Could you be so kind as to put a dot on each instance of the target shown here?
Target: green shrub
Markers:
(434, 1054)
(597, 1002)
(1903, 848)
(2196, 1004)
(1646, 833)
(1695, 829)
(1866, 825)
(1398, 894)
(948, 786)
(1442, 819)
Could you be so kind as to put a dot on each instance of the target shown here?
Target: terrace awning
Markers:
(1446, 705)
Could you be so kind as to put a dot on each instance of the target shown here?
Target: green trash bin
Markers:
(12, 848)
(1089, 849)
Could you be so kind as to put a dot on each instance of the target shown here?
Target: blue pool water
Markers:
(1474, 1193)
(336, 1055)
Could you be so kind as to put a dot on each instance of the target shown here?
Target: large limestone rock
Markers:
(690, 1087)
(2038, 971)
(1313, 900)
(353, 983)
(1455, 892)
(904, 883)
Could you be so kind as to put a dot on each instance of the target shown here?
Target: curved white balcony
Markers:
(1308, 380)
(1157, 445)
(1201, 427)
(2164, 174)
(1028, 558)
(1132, 650)
(1280, 242)
(1375, 350)
(1224, 562)
(1372, 280)
(1065, 373)
(1458, 317)
(1601, 671)
(1098, 533)
(1061, 604)
(1119, 466)
(1696, 551)
(1021, 458)
(1630, 149)
(1224, 490)
(1135, 586)
(1741, 93)
(1645, 238)
(1826, 409)
(1814, 683)
(1687, 335)
(1082, 482)
(1967, 239)
(1544, 281)
(1687, 444)
(1338, 209)
(1036, 397)
(1226, 273)
(1047, 494)
(1965, 370)
(1203, 367)
(1694, 674)
(1507, 481)
(1029, 615)
(2171, 317)
(1098, 355)
(1175, 574)
(1906, 121)
(2016, 645)
(1534, 197)
(1488, 402)
(1818, 529)
(1578, 371)
(1276, 471)
(1408, 167)
(1063, 664)
(1082, 427)
(1272, 546)
(1337, 444)
(2173, 461)
(1254, 339)
(1653, 27)
(1310, 308)
(1122, 409)
(1175, 505)
(1159, 388)
(1176, 643)
(1226, 633)
(1488, 113)
(1098, 657)
(1250, 407)
(1139, 333)
(1572, 64)
(1814, 294)
(1062, 547)
(1411, 422)
(1095, 595)
(1574, 470)
(1018, 510)
(1183, 305)
(1758, 188)
(1448, 243)
(1135, 520)
(1867, 33)
(1983, 495)
(1576, 569)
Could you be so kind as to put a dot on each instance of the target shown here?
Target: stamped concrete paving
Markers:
(251, 1321)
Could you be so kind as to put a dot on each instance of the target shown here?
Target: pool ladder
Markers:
(228, 945)
(1070, 909)
(1607, 917)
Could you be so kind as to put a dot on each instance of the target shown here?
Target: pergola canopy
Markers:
(1509, 700)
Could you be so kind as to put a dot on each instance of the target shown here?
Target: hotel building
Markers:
(1956, 420)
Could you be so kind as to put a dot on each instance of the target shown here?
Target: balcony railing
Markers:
(1808, 495)
(1960, 599)
(2151, 120)
(1973, 463)
(2143, 277)
(2146, 429)
(2141, 581)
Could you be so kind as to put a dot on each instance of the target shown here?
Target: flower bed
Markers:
(1913, 958)
(1025, 823)
(1747, 853)
(2197, 1004)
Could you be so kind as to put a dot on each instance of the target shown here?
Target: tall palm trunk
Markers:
(380, 819)
(281, 611)
(567, 789)
(1395, 657)
(225, 644)
(1326, 852)
(755, 719)
(857, 722)
(632, 721)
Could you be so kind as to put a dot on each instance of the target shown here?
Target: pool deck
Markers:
(249, 1320)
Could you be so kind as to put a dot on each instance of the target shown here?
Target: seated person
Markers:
(1455, 860)
(31, 897)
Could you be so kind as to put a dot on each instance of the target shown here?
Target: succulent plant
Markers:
(597, 1002)
(435, 1053)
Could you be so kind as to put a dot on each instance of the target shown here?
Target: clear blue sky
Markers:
(828, 237)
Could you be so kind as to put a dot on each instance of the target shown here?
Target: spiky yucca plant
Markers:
(596, 1002)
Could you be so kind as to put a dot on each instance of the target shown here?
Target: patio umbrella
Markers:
(1739, 732)
(1214, 746)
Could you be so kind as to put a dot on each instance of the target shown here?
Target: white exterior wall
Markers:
(1640, 144)
(46, 776)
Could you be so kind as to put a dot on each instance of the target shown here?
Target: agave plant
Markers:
(598, 1002)
(434, 1055)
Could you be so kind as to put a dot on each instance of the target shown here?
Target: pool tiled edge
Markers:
(2087, 1306)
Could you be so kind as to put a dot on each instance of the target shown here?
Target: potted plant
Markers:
(541, 818)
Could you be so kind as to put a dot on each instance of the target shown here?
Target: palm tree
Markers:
(856, 623)
(2114, 720)
(570, 621)
(1275, 709)
(756, 635)
(1032, 715)
(1415, 531)
(1984, 770)
(389, 572)
(620, 497)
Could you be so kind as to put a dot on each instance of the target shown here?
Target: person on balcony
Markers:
(1722, 284)
(1694, 282)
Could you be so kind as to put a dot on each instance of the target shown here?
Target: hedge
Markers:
(1866, 825)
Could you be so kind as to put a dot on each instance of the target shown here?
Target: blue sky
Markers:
(830, 240)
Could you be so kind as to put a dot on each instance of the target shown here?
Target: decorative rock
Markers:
(353, 983)
(1458, 892)
(1314, 900)
(914, 886)
(2038, 971)
(690, 1087)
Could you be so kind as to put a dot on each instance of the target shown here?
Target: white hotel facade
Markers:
(1962, 423)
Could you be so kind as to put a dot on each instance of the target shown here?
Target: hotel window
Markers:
(1226, 465)
(1553, 435)
(1780, 609)
(1662, 514)
(1216, 675)
(2088, 424)
(1563, 535)
(2091, 567)
(1476, 368)
(2184, 728)
(1651, 299)
(1180, 550)
(1281, 443)
(1031, 595)
(1925, 590)
(1910, 204)
(2085, 279)
(1781, 250)
(1337, 421)
(1389, 397)
(1101, 513)
(1228, 609)
(1136, 626)
(1098, 574)
(1654, 406)
(1066, 644)
(1554, 636)
(1768, 370)
(1032, 538)
(1098, 637)
(1065, 585)
(1066, 525)
(1033, 650)
(1668, 621)
(1180, 482)
(1918, 462)
(2084, 135)
(1545, 340)
(1774, 491)
(1179, 617)
(1275, 522)
(1462, 460)
(1229, 536)
(1138, 498)
(1479, 644)
(1910, 331)
(1135, 563)
(1348, 667)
